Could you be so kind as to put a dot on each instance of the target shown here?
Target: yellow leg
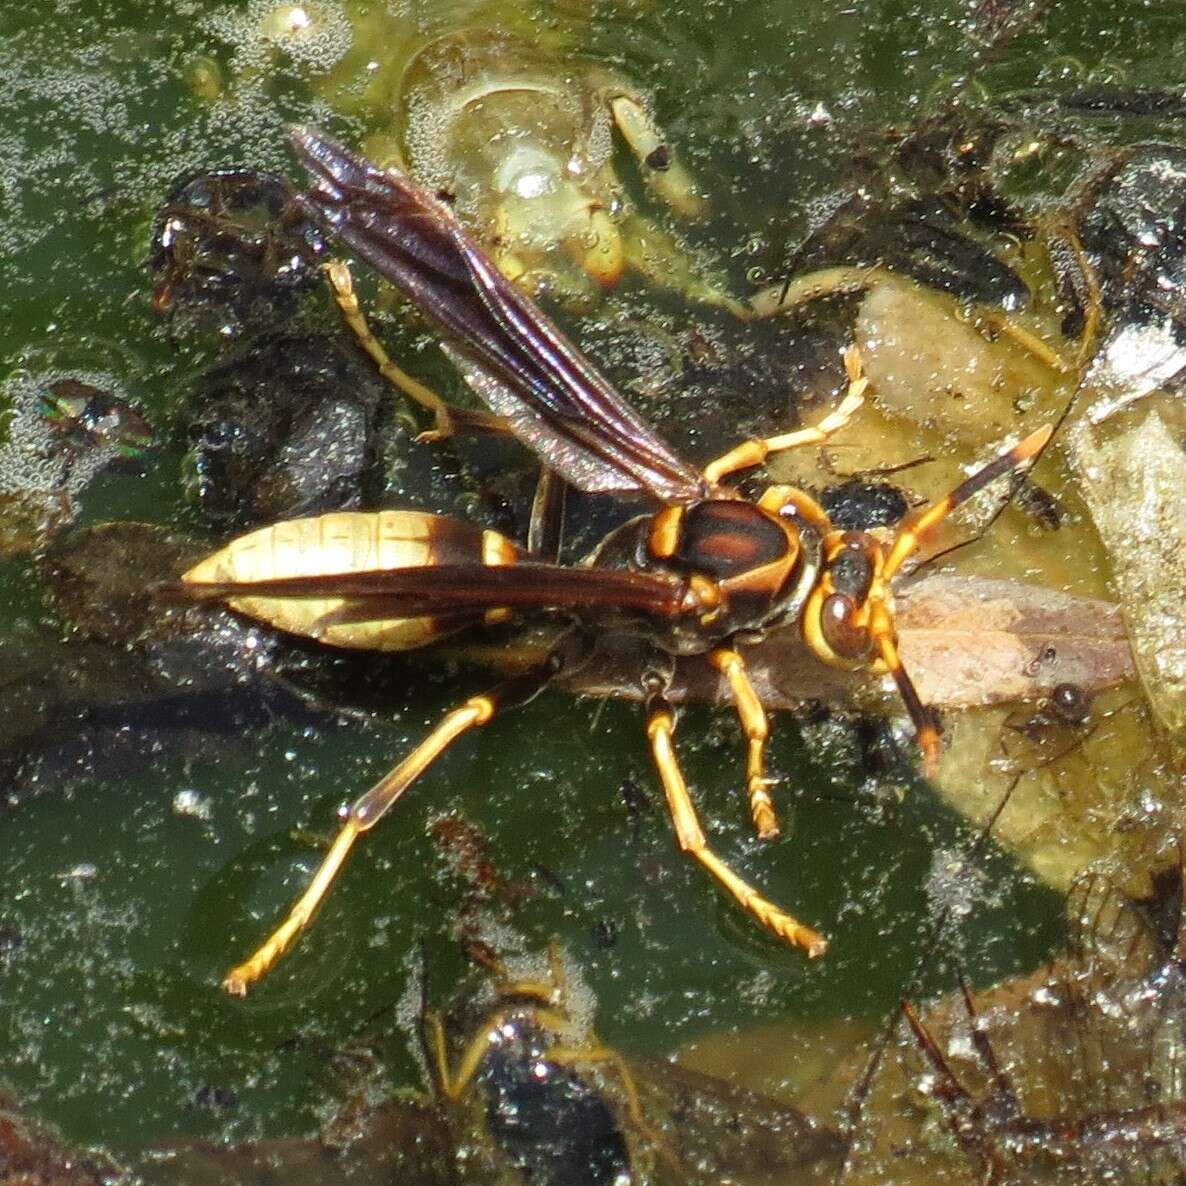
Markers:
(776, 498)
(439, 1052)
(756, 729)
(447, 419)
(578, 1055)
(661, 731)
(881, 630)
(363, 816)
(453, 1084)
(754, 452)
(552, 993)
(1089, 290)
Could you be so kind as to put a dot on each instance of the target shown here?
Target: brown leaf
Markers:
(965, 641)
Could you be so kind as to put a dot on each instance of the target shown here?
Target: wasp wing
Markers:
(448, 589)
(513, 355)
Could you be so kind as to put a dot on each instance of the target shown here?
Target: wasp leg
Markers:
(575, 1056)
(1084, 279)
(661, 732)
(375, 803)
(439, 1060)
(546, 528)
(661, 171)
(552, 992)
(754, 452)
(909, 538)
(453, 1083)
(754, 725)
(448, 419)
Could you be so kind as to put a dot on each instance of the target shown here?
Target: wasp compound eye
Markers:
(839, 628)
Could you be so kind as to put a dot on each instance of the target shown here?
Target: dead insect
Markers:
(526, 1082)
(708, 574)
(1007, 1143)
(1050, 730)
(86, 417)
(226, 246)
(525, 1071)
(1087, 1080)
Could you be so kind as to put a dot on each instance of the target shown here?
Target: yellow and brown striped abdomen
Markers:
(349, 542)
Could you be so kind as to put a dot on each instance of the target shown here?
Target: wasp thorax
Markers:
(728, 538)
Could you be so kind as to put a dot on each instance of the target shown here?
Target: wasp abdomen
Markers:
(349, 542)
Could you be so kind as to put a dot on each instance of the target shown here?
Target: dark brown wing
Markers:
(514, 356)
(455, 588)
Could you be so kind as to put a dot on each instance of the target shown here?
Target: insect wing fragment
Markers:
(516, 358)
(374, 595)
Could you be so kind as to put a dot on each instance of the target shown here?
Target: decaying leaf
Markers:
(974, 642)
(1135, 486)
(929, 366)
(965, 641)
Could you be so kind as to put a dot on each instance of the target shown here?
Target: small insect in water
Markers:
(709, 573)
(85, 417)
(529, 1067)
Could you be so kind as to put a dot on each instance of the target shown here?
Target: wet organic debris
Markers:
(547, 1097)
(61, 429)
(499, 114)
(1134, 481)
(991, 642)
(32, 1155)
(1070, 1074)
(1130, 215)
(289, 426)
(228, 251)
(126, 680)
(521, 1090)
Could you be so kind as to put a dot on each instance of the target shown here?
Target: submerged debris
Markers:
(285, 428)
(228, 250)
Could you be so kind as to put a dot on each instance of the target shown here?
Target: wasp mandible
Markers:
(708, 573)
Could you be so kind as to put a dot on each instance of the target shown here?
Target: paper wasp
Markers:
(708, 573)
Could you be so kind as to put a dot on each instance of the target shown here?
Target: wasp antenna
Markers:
(916, 529)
